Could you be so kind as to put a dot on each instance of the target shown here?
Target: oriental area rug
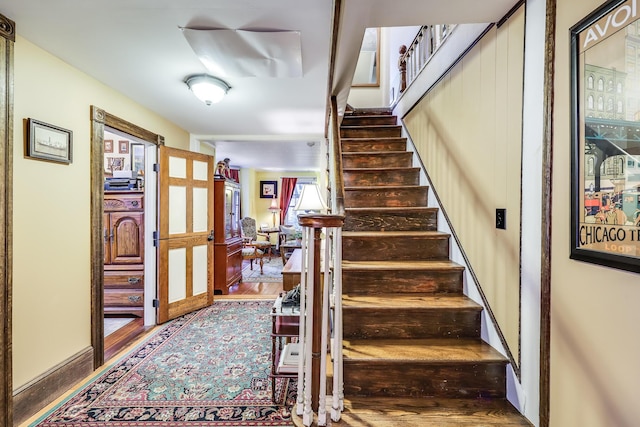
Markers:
(207, 368)
(271, 271)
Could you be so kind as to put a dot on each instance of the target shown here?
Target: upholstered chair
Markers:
(252, 238)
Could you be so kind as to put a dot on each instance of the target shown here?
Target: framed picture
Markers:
(49, 142)
(268, 189)
(605, 171)
(137, 158)
(123, 147)
(108, 145)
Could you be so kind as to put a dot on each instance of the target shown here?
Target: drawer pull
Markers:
(134, 203)
(135, 298)
(133, 280)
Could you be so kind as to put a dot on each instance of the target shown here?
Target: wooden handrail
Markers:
(336, 161)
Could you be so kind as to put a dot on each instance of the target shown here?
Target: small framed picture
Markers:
(268, 189)
(49, 142)
(108, 145)
(123, 147)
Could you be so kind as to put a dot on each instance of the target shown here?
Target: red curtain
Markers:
(288, 185)
(234, 174)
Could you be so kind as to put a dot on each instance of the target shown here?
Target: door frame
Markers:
(99, 120)
(7, 40)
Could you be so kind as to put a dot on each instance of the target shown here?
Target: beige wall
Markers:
(467, 131)
(51, 253)
(595, 350)
(259, 208)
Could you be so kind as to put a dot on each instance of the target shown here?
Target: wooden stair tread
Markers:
(389, 169)
(408, 301)
(423, 350)
(387, 209)
(372, 153)
(375, 138)
(387, 234)
(387, 187)
(441, 412)
(357, 126)
(400, 265)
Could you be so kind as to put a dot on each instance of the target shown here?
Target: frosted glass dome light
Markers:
(208, 89)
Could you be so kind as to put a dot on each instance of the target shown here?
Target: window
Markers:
(590, 102)
(619, 90)
(601, 84)
(600, 103)
(590, 82)
(292, 214)
(619, 107)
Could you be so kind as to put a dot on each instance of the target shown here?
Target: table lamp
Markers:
(310, 199)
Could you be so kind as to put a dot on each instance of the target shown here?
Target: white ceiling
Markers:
(137, 48)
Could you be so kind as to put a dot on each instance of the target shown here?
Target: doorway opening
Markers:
(129, 216)
(135, 259)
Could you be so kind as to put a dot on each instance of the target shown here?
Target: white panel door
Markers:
(185, 238)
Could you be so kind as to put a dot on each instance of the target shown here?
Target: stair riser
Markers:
(366, 323)
(378, 160)
(399, 248)
(371, 132)
(369, 120)
(366, 178)
(401, 281)
(422, 379)
(386, 197)
(369, 145)
(391, 221)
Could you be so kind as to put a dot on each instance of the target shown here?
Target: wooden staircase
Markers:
(413, 355)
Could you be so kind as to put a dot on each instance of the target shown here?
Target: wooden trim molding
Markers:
(547, 171)
(35, 395)
(7, 40)
(99, 120)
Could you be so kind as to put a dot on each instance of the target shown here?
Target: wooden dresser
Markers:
(124, 253)
(226, 230)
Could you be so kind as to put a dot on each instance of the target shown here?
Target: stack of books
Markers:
(288, 363)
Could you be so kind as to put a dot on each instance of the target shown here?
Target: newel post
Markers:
(317, 309)
(402, 67)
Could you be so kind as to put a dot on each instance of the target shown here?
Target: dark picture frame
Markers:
(605, 138)
(268, 189)
(48, 142)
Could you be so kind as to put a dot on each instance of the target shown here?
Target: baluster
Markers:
(301, 326)
(338, 390)
(307, 417)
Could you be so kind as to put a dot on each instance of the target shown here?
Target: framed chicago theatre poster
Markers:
(605, 127)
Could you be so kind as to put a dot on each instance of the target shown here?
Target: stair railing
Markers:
(321, 298)
(424, 45)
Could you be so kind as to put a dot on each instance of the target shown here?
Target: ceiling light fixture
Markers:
(208, 89)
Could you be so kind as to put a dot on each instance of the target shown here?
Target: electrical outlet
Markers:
(501, 219)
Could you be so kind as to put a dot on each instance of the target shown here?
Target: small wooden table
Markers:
(291, 272)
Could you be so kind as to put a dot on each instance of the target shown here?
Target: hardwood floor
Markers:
(121, 337)
(254, 290)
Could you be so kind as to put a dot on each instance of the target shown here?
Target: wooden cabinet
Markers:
(124, 253)
(227, 241)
